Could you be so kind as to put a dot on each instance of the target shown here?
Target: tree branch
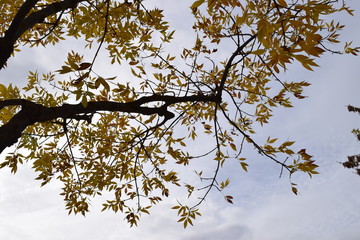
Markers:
(229, 64)
(32, 113)
(22, 23)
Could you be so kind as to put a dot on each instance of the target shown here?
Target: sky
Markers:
(327, 207)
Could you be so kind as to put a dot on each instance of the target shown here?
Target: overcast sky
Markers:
(327, 207)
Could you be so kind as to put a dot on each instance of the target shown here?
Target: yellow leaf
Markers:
(259, 52)
(272, 140)
(282, 3)
(103, 82)
(294, 189)
(64, 69)
(229, 199)
(2, 89)
(316, 51)
(84, 101)
(244, 166)
(211, 4)
(197, 3)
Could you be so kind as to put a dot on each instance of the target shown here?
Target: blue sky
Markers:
(264, 206)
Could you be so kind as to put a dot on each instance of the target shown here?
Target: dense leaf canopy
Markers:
(102, 134)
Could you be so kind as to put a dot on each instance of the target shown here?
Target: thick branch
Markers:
(7, 42)
(24, 21)
(32, 113)
(19, 17)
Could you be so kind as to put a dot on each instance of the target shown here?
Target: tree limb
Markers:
(24, 21)
(229, 64)
(32, 113)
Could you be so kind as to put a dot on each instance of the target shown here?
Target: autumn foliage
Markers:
(125, 137)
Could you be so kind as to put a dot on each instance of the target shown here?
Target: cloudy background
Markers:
(264, 206)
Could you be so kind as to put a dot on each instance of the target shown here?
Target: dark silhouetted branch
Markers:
(24, 21)
(32, 113)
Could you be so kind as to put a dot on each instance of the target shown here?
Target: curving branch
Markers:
(24, 21)
(32, 113)
(229, 64)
